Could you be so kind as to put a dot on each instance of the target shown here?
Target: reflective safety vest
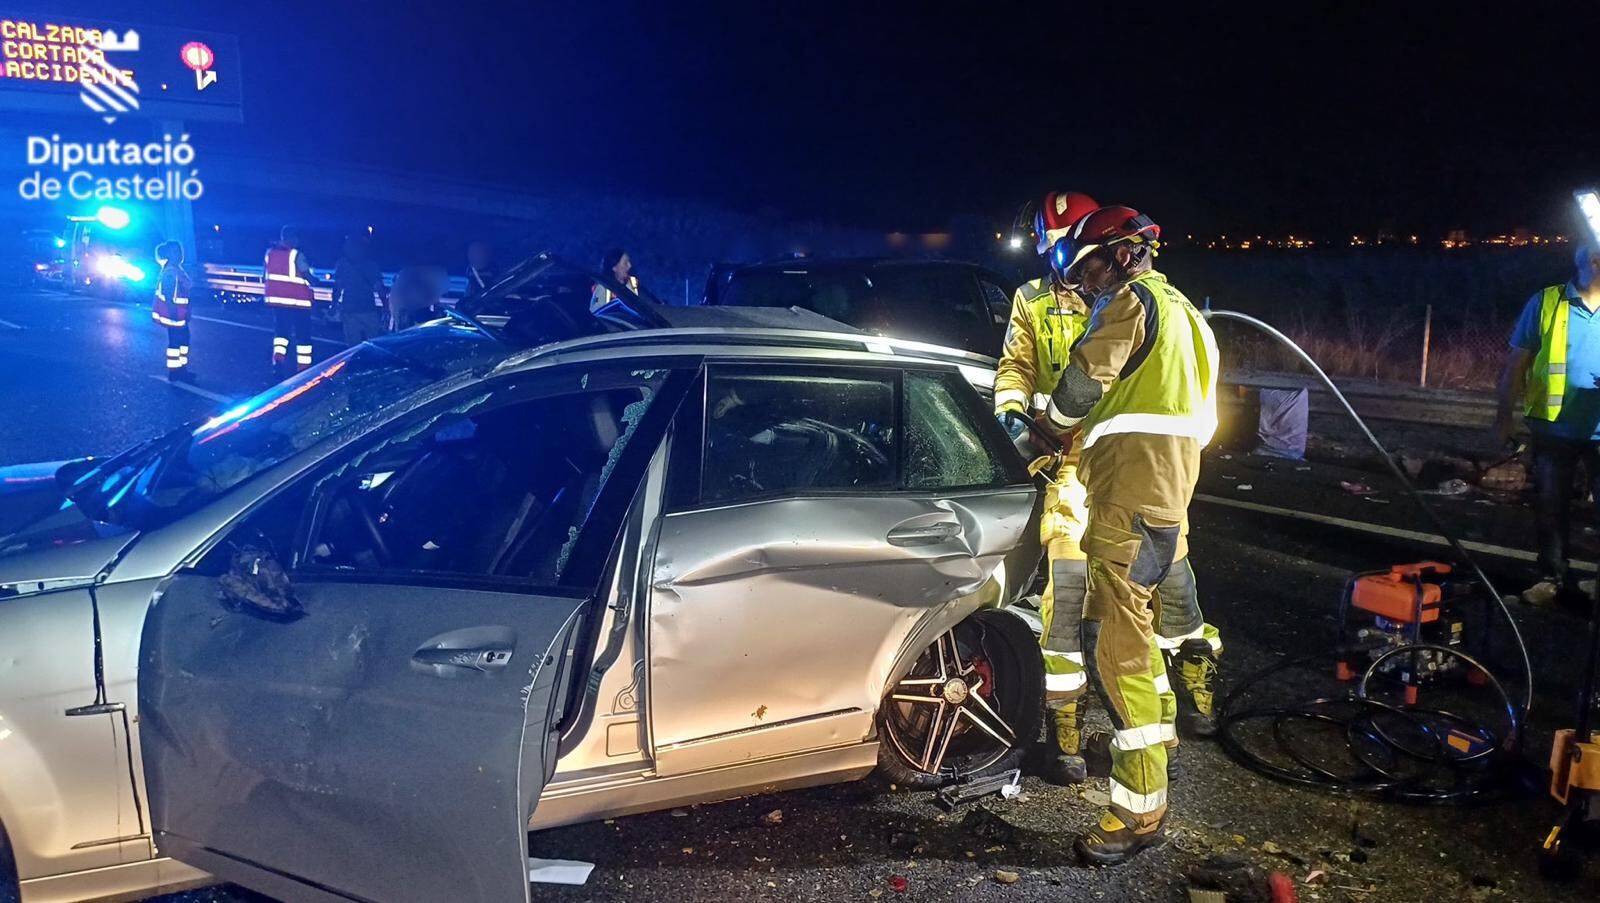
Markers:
(284, 286)
(1547, 378)
(171, 307)
(601, 296)
(1038, 349)
(1169, 385)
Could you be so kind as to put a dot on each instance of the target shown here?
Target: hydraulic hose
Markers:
(1363, 731)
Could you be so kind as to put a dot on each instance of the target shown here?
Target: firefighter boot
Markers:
(1113, 841)
(1066, 764)
(1196, 667)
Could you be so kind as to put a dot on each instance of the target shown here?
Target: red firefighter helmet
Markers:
(1103, 228)
(1056, 215)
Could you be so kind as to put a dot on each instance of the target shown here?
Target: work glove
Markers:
(1015, 424)
(1024, 434)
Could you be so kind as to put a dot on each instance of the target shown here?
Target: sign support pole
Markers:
(177, 213)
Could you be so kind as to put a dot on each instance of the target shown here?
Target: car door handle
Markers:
(925, 533)
(486, 658)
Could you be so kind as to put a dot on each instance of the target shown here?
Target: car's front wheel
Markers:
(970, 706)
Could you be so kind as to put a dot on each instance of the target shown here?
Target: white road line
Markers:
(1380, 530)
(10, 325)
(256, 328)
(195, 389)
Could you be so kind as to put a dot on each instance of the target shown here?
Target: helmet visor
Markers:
(1066, 256)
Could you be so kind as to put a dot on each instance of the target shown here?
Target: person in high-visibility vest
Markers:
(1139, 397)
(620, 266)
(1048, 316)
(171, 309)
(287, 290)
(1554, 371)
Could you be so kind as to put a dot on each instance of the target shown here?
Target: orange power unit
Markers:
(1406, 605)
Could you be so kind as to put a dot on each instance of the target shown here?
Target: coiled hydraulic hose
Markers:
(1375, 750)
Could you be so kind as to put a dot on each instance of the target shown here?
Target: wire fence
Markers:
(1440, 319)
(1415, 350)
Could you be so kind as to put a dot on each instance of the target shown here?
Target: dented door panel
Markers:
(775, 626)
(386, 745)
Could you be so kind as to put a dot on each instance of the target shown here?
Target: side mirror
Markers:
(256, 583)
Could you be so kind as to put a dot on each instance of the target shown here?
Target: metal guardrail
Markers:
(1373, 399)
(249, 280)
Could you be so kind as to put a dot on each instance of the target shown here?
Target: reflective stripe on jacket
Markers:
(1547, 377)
(171, 307)
(1169, 384)
(601, 296)
(1045, 322)
(284, 286)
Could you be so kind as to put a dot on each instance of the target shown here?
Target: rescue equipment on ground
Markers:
(1399, 749)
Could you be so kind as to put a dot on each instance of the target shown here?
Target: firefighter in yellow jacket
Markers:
(1139, 398)
(1047, 317)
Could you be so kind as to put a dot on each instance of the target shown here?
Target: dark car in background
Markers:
(32, 258)
(945, 302)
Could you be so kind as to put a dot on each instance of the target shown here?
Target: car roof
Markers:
(746, 341)
(845, 263)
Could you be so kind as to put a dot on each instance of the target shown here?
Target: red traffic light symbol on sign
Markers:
(200, 58)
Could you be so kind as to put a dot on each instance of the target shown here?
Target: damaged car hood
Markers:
(46, 541)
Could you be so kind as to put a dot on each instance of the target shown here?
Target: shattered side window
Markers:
(501, 484)
(770, 434)
(630, 419)
(943, 449)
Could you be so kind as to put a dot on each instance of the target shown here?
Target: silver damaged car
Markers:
(357, 636)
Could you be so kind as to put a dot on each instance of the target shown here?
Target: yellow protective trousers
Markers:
(1139, 487)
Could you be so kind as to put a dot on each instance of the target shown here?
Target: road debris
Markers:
(775, 817)
(1007, 783)
(1234, 879)
(1244, 487)
(559, 871)
(905, 842)
(1093, 797)
(1004, 877)
(983, 824)
(898, 883)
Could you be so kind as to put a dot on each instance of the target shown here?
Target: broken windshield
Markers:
(155, 483)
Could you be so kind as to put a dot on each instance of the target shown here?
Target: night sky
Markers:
(1326, 118)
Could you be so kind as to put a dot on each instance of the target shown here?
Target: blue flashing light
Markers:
(113, 267)
(113, 217)
(61, 243)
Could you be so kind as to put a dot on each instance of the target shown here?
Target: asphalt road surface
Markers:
(87, 376)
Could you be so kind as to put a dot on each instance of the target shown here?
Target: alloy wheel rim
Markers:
(950, 699)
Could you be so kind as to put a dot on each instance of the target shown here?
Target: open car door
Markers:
(378, 722)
